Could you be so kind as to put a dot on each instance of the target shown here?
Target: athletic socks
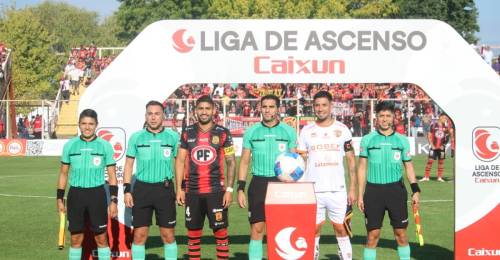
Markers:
(138, 252)
(222, 243)
(440, 168)
(103, 253)
(345, 247)
(75, 253)
(404, 252)
(369, 254)
(255, 250)
(316, 248)
(428, 168)
(194, 244)
(170, 251)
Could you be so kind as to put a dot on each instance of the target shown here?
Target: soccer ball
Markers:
(289, 167)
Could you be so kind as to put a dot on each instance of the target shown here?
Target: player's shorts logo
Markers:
(179, 44)
(285, 249)
(116, 137)
(96, 160)
(203, 155)
(485, 144)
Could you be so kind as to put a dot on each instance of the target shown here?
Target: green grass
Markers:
(29, 225)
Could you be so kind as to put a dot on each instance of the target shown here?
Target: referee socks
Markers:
(103, 253)
(170, 251)
(404, 252)
(370, 254)
(138, 252)
(75, 253)
(255, 250)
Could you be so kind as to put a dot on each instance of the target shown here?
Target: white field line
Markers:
(30, 175)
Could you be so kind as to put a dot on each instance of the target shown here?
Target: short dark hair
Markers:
(323, 94)
(271, 97)
(154, 103)
(205, 98)
(384, 106)
(88, 113)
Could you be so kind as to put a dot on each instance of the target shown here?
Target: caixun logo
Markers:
(116, 137)
(285, 249)
(179, 44)
(485, 143)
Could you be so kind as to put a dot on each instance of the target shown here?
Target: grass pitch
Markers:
(29, 221)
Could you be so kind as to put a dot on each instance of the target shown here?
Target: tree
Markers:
(460, 14)
(71, 26)
(134, 15)
(34, 64)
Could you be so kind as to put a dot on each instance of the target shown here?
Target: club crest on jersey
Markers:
(282, 147)
(203, 155)
(439, 134)
(397, 156)
(215, 139)
(313, 134)
(337, 133)
(166, 152)
(97, 161)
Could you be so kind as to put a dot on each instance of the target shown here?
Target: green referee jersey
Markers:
(385, 155)
(87, 161)
(266, 144)
(154, 153)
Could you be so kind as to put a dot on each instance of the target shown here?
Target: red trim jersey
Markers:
(204, 167)
(440, 134)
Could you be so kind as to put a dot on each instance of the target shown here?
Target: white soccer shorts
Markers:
(334, 203)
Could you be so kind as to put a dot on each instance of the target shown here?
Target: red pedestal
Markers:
(290, 220)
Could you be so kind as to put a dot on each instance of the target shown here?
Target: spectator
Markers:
(2, 129)
(487, 55)
(65, 85)
(37, 127)
(496, 66)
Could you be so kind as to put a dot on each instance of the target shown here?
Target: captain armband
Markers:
(229, 150)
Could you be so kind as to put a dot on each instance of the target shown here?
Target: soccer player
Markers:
(439, 135)
(204, 147)
(262, 142)
(154, 148)
(85, 159)
(382, 154)
(324, 144)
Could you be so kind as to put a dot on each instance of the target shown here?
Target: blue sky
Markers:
(489, 19)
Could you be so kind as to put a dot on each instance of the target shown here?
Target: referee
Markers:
(85, 158)
(154, 148)
(262, 142)
(382, 155)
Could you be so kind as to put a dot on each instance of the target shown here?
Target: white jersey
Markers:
(325, 148)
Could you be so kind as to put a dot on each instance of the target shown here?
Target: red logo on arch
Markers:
(485, 143)
(116, 137)
(180, 44)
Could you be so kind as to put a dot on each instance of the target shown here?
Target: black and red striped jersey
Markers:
(440, 134)
(204, 167)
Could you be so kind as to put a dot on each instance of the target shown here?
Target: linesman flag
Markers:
(418, 226)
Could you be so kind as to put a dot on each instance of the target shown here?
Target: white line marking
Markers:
(31, 175)
(25, 196)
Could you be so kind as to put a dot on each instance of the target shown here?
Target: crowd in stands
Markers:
(82, 67)
(352, 102)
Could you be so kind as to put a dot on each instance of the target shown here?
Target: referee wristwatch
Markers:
(115, 200)
(229, 189)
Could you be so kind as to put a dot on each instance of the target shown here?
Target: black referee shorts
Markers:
(200, 205)
(157, 197)
(92, 201)
(437, 154)
(256, 198)
(381, 197)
